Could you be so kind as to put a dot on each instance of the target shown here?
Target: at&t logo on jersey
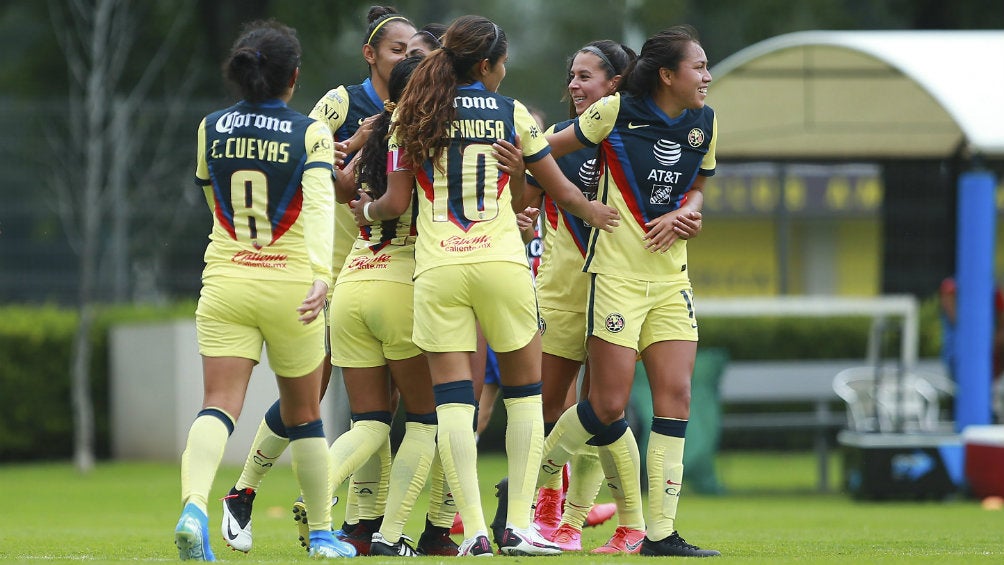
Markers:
(667, 153)
(589, 175)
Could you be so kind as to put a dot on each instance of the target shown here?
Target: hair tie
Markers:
(380, 25)
(432, 37)
(599, 53)
(389, 106)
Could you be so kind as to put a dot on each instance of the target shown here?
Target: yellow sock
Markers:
(351, 450)
(408, 474)
(369, 483)
(442, 507)
(459, 455)
(664, 459)
(265, 451)
(583, 486)
(567, 437)
(207, 438)
(310, 466)
(621, 464)
(524, 445)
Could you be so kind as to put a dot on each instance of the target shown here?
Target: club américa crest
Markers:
(614, 323)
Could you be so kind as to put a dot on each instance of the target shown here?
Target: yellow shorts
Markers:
(563, 333)
(371, 322)
(636, 314)
(498, 293)
(236, 316)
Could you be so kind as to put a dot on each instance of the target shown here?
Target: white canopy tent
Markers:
(862, 95)
(874, 95)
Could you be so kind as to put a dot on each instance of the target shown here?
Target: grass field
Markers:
(125, 512)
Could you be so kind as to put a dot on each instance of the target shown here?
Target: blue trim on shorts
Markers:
(522, 391)
(669, 427)
(308, 430)
(491, 368)
(455, 392)
(613, 433)
(428, 419)
(273, 419)
(219, 415)
(378, 415)
(590, 304)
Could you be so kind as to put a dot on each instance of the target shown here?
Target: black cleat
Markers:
(501, 510)
(436, 541)
(380, 546)
(674, 546)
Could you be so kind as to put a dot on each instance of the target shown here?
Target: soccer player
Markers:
(348, 112)
(470, 260)
(657, 147)
(266, 173)
(594, 71)
(426, 40)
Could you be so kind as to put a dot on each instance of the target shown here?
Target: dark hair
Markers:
(377, 19)
(616, 59)
(372, 165)
(425, 111)
(663, 50)
(432, 35)
(262, 60)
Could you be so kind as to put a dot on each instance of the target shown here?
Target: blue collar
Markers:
(270, 103)
(477, 85)
(372, 93)
(650, 102)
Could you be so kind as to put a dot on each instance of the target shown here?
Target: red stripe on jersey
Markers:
(620, 179)
(289, 218)
(551, 212)
(227, 223)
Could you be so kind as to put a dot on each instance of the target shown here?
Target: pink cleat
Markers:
(567, 538)
(547, 514)
(600, 513)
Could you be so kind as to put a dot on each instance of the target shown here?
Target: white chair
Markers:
(884, 399)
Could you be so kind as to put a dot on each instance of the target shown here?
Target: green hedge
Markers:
(36, 415)
(36, 418)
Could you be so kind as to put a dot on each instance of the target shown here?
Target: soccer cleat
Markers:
(600, 513)
(547, 511)
(300, 517)
(458, 525)
(517, 541)
(323, 545)
(380, 546)
(477, 546)
(498, 523)
(567, 538)
(361, 536)
(236, 524)
(675, 546)
(624, 540)
(436, 541)
(191, 535)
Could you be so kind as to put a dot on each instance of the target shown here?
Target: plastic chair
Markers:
(884, 399)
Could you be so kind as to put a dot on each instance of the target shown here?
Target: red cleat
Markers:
(600, 513)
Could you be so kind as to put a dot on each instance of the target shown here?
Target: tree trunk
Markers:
(83, 405)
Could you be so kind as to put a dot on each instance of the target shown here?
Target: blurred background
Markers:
(154, 67)
(101, 223)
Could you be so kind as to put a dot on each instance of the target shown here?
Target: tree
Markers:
(105, 157)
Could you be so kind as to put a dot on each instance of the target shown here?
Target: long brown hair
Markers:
(426, 107)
